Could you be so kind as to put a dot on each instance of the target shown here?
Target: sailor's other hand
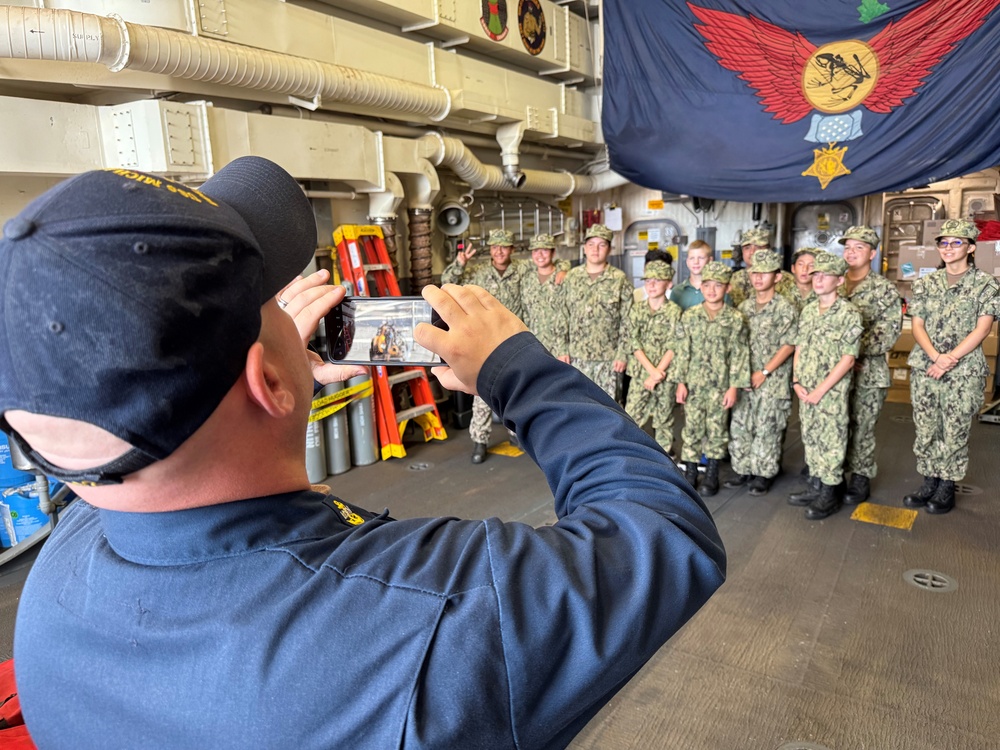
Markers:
(307, 300)
(477, 325)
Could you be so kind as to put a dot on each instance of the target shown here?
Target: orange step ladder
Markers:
(401, 393)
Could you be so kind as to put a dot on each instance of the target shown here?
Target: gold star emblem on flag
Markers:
(828, 163)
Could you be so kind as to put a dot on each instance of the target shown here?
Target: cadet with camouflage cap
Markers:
(959, 228)
(861, 234)
(829, 338)
(952, 310)
(597, 300)
(759, 237)
(829, 264)
(600, 231)
(761, 411)
(502, 278)
(541, 294)
(542, 242)
(765, 261)
(655, 337)
(740, 288)
(881, 311)
(717, 271)
(658, 270)
(713, 362)
(802, 268)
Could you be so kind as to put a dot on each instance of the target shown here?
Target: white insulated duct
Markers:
(454, 154)
(70, 36)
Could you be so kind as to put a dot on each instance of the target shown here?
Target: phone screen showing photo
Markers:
(379, 331)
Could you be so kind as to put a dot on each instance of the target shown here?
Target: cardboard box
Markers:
(991, 344)
(898, 395)
(904, 343)
(897, 360)
(931, 229)
(988, 257)
(917, 261)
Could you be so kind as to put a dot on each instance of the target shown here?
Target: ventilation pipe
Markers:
(382, 208)
(420, 248)
(454, 154)
(509, 137)
(70, 36)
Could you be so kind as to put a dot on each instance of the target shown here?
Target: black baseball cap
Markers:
(130, 301)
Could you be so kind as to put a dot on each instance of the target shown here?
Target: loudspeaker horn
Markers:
(452, 219)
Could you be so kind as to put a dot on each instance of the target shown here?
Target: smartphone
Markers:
(379, 331)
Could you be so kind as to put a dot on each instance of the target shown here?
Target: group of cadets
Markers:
(735, 349)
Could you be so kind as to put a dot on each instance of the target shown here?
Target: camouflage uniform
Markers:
(881, 311)
(943, 409)
(740, 288)
(596, 312)
(654, 332)
(796, 297)
(823, 339)
(761, 415)
(541, 300)
(800, 302)
(714, 357)
(506, 287)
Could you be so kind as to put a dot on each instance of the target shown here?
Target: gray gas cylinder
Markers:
(363, 430)
(335, 434)
(315, 453)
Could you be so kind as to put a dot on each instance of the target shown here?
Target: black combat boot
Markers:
(806, 495)
(826, 504)
(738, 481)
(760, 485)
(691, 473)
(858, 490)
(710, 484)
(919, 498)
(478, 453)
(943, 498)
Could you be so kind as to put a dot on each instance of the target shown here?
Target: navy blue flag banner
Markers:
(800, 100)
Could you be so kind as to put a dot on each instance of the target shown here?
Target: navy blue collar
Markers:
(224, 530)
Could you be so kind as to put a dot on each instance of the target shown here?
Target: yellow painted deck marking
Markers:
(897, 518)
(506, 449)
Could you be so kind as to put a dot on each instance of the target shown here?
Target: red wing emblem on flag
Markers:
(792, 76)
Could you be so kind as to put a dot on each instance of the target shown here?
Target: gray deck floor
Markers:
(815, 637)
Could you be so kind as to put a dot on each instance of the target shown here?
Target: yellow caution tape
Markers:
(334, 402)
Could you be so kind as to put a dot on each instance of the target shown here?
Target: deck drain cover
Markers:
(802, 746)
(420, 466)
(929, 580)
(902, 418)
(968, 489)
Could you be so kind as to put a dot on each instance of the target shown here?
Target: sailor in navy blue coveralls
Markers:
(298, 620)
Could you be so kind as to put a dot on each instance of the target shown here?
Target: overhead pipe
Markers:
(454, 154)
(413, 131)
(71, 36)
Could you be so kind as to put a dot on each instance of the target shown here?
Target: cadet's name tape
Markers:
(324, 406)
